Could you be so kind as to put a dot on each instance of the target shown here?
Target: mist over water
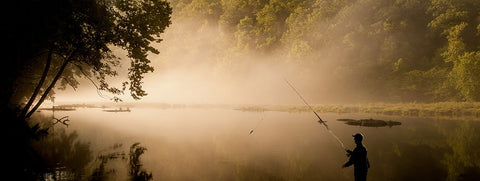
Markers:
(215, 144)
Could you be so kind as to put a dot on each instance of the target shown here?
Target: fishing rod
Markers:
(319, 119)
(301, 97)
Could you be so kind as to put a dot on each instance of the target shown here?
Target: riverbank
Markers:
(443, 109)
(470, 110)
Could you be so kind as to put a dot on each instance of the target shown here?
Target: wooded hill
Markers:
(394, 50)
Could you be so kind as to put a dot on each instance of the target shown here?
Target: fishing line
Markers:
(335, 136)
(320, 119)
(258, 123)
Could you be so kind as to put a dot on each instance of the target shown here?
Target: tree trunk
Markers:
(64, 65)
(39, 85)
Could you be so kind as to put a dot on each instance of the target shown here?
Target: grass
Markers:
(442, 109)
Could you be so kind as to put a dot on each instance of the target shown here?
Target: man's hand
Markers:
(349, 152)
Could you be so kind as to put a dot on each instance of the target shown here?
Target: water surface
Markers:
(215, 144)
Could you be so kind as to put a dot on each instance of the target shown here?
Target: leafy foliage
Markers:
(82, 37)
(406, 50)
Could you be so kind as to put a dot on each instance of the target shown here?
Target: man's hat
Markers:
(358, 136)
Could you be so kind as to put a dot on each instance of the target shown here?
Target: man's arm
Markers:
(350, 160)
(347, 164)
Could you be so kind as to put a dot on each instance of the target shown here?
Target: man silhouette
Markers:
(358, 157)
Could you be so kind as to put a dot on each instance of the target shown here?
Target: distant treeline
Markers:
(444, 109)
(399, 50)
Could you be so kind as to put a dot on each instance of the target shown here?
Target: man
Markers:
(358, 157)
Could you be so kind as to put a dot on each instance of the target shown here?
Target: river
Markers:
(216, 144)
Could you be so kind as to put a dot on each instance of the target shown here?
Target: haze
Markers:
(237, 52)
(195, 66)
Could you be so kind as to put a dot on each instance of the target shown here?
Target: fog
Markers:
(194, 68)
(346, 54)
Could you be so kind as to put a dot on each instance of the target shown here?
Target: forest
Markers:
(370, 50)
(344, 51)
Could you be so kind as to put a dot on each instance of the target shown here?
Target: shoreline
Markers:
(443, 109)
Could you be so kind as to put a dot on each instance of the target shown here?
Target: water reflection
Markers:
(52, 151)
(214, 144)
(462, 158)
(64, 155)
(102, 171)
(137, 172)
(106, 170)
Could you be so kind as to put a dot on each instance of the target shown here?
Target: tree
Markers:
(458, 22)
(466, 75)
(77, 39)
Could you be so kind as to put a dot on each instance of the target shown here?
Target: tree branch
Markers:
(65, 63)
(93, 82)
(39, 85)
